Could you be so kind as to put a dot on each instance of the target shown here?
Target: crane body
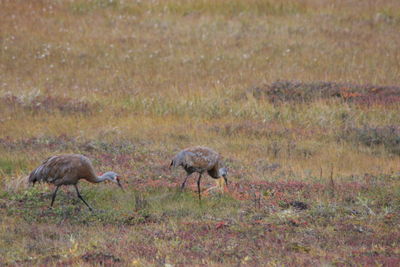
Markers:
(200, 159)
(69, 169)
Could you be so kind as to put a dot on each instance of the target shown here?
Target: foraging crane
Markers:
(68, 170)
(200, 159)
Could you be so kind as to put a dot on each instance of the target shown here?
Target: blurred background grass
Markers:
(176, 73)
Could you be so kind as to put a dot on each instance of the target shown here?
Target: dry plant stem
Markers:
(332, 184)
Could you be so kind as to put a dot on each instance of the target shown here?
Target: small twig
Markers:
(370, 211)
(61, 222)
(332, 184)
(140, 202)
(257, 200)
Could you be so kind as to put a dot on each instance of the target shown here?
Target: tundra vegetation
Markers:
(300, 97)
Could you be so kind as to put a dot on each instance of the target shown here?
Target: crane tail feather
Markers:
(36, 175)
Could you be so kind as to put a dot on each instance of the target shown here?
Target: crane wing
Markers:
(56, 168)
(201, 158)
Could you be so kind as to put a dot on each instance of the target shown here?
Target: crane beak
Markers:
(226, 180)
(119, 184)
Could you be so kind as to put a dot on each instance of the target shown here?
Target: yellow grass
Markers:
(167, 74)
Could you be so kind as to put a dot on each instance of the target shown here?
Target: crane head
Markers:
(224, 173)
(114, 177)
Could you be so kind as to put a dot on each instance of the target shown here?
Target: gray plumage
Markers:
(200, 159)
(68, 169)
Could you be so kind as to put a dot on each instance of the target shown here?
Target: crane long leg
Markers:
(79, 196)
(184, 182)
(198, 186)
(54, 196)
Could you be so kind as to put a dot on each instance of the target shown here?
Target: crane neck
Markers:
(100, 179)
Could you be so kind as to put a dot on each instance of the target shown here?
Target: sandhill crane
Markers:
(68, 169)
(200, 159)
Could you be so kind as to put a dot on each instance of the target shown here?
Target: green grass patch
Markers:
(10, 166)
(84, 7)
(111, 207)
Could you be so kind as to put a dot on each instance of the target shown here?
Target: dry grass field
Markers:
(301, 98)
